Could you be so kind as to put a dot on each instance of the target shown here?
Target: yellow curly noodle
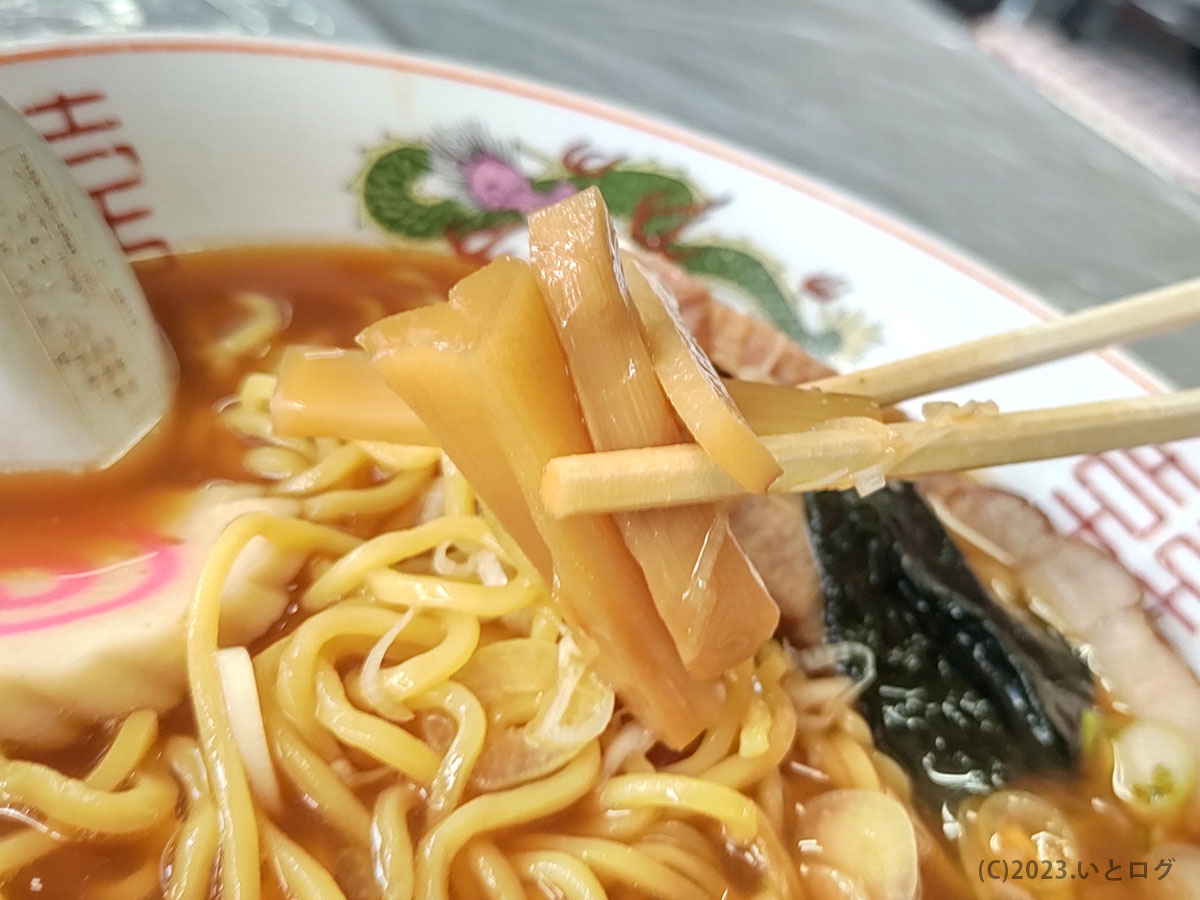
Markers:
(67, 805)
(239, 869)
(391, 843)
(436, 729)
(132, 742)
(262, 321)
(195, 845)
(444, 620)
(492, 870)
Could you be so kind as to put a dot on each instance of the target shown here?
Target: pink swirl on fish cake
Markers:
(79, 590)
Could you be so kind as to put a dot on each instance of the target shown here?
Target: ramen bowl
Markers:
(186, 143)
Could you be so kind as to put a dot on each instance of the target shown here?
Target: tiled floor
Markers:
(1137, 88)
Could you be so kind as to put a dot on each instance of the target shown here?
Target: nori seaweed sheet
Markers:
(965, 697)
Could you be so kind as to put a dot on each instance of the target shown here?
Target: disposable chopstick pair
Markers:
(1120, 322)
(679, 474)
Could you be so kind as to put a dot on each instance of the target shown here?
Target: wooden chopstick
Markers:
(1121, 321)
(830, 457)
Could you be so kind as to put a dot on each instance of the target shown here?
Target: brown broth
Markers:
(328, 295)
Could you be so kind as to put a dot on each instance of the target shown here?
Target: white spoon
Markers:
(84, 371)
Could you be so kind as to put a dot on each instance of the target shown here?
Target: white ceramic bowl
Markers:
(188, 141)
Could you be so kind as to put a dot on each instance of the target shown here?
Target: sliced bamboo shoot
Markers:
(427, 356)
(782, 409)
(336, 393)
(719, 618)
(487, 375)
(325, 392)
(693, 386)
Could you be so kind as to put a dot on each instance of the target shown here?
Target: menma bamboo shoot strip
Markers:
(486, 375)
(325, 392)
(713, 602)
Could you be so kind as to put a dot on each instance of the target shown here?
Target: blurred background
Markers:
(1057, 141)
(1130, 67)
